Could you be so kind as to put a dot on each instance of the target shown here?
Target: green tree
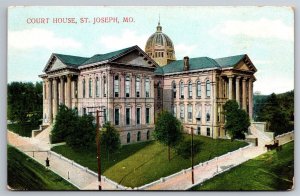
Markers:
(25, 102)
(83, 135)
(168, 130)
(237, 120)
(184, 148)
(110, 138)
(66, 122)
(279, 122)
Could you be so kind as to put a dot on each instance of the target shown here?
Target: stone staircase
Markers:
(43, 135)
(258, 130)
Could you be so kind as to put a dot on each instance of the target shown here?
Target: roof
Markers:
(200, 63)
(107, 56)
(73, 61)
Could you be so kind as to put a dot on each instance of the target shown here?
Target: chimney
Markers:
(186, 63)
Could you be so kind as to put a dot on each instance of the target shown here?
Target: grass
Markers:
(25, 173)
(22, 129)
(273, 170)
(138, 164)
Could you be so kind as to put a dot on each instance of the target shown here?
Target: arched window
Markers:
(174, 89)
(116, 86)
(147, 87)
(198, 89)
(127, 86)
(181, 90)
(208, 87)
(90, 87)
(137, 86)
(139, 136)
(148, 135)
(128, 137)
(97, 87)
(190, 88)
(83, 88)
(104, 86)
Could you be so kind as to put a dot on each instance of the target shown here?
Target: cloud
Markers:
(262, 28)
(39, 38)
(126, 39)
(185, 50)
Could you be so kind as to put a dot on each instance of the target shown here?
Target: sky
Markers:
(265, 34)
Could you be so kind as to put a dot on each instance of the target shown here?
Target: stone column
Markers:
(55, 97)
(61, 93)
(250, 97)
(244, 96)
(68, 97)
(230, 86)
(221, 93)
(50, 100)
(237, 89)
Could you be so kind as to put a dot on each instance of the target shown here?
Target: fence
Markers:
(87, 170)
(224, 156)
(285, 138)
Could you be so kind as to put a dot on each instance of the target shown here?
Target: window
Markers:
(181, 90)
(174, 89)
(127, 116)
(104, 86)
(198, 89)
(137, 86)
(117, 116)
(127, 86)
(158, 90)
(116, 86)
(198, 130)
(148, 135)
(147, 87)
(199, 114)
(174, 111)
(97, 87)
(75, 89)
(128, 137)
(207, 117)
(104, 115)
(84, 111)
(190, 88)
(207, 88)
(83, 88)
(138, 136)
(182, 111)
(147, 115)
(208, 131)
(190, 112)
(90, 87)
(138, 116)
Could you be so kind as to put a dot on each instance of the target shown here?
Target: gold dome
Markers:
(160, 47)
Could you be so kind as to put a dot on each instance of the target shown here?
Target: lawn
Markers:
(22, 129)
(25, 173)
(273, 170)
(138, 164)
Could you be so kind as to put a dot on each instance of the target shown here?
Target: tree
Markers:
(110, 138)
(184, 148)
(66, 122)
(84, 134)
(237, 120)
(25, 102)
(168, 130)
(279, 122)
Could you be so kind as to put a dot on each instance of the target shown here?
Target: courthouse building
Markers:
(131, 86)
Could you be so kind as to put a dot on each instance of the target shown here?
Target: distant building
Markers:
(131, 86)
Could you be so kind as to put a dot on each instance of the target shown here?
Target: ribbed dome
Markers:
(159, 38)
(160, 47)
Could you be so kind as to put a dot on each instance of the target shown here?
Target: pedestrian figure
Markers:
(47, 162)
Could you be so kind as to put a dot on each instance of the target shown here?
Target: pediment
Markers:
(245, 65)
(54, 63)
(136, 58)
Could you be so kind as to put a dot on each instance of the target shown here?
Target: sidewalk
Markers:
(76, 176)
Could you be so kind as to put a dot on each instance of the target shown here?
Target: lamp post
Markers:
(192, 152)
